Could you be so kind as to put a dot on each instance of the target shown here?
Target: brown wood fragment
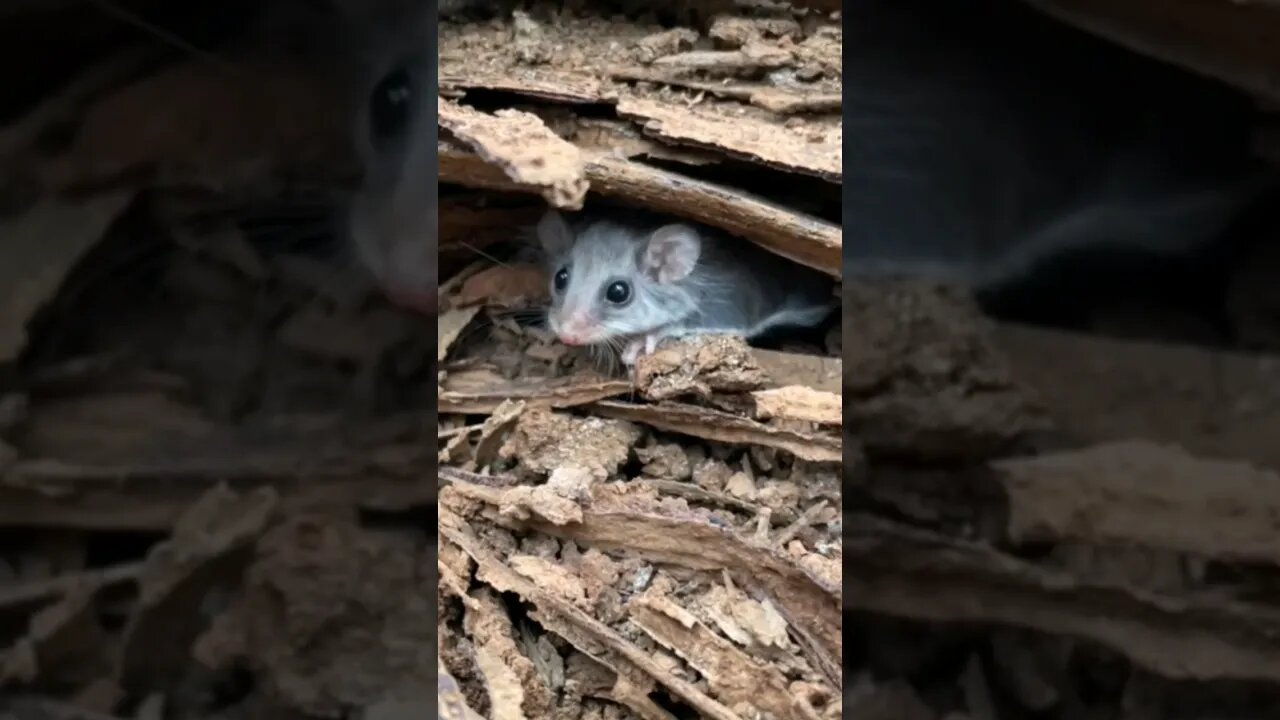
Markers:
(793, 235)
(1215, 404)
(741, 137)
(210, 547)
(783, 102)
(797, 402)
(505, 579)
(555, 394)
(730, 672)
(34, 592)
(526, 150)
(823, 374)
(148, 496)
(1142, 493)
(613, 520)
(903, 572)
(726, 62)
(719, 426)
(699, 366)
(64, 643)
(555, 86)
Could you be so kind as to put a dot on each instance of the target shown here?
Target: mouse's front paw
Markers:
(632, 352)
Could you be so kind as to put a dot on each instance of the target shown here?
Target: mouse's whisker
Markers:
(129, 17)
(482, 253)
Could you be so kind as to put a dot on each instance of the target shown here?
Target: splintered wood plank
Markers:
(744, 138)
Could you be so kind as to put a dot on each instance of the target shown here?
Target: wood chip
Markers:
(1143, 493)
(797, 402)
(523, 147)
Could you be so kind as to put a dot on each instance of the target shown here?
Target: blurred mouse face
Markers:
(392, 217)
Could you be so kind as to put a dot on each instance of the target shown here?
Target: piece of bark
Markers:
(793, 235)
(209, 549)
(552, 85)
(523, 147)
(615, 518)
(743, 138)
(797, 402)
(907, 573)
(724, 427)
(1143, 493)
(1216, 404)
(924, 377)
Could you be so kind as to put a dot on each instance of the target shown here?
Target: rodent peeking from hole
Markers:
(628, 281)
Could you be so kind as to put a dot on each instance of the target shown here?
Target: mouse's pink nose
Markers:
(573, 331)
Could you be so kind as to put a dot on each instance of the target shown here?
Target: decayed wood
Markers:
(783, 102)
(615, 519)
(29, 595)
(548, 394)
(1141, 493)
(799, 237)
(903, 572)
(1215, 404)
(147, 496)
(552, 85)
(719, 426)
(523, 147)
(743, 138)
(608, 646)
(798, 402)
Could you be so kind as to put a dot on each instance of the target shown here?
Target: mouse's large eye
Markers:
(389, 105)
(562, 279)
(618, 292)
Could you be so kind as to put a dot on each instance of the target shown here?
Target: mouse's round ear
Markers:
(554, 233)
(671, 253)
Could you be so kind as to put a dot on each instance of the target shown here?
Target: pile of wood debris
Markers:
(216, 471)
(669, 540)
(216, 445)
(1058, 525)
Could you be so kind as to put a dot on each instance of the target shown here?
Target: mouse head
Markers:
(391, 218)
(612, 281)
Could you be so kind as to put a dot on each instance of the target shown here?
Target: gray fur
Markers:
(986, 140)
(734, 288)
(391, 219)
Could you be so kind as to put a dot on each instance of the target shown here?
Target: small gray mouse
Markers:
(628, 280)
